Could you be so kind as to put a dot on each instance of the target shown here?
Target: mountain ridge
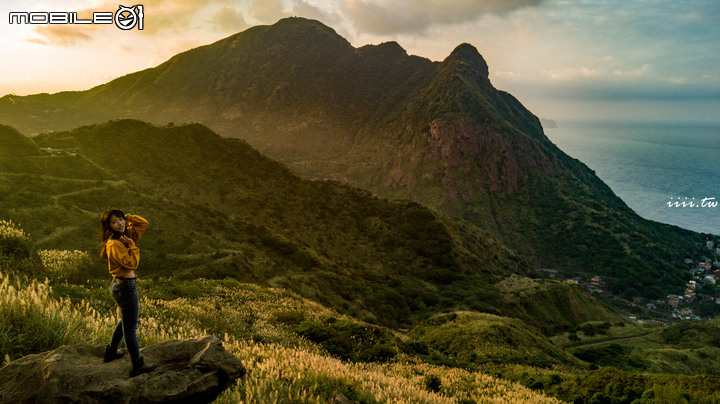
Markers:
(400, 126)
(14, 143)
(222, 209)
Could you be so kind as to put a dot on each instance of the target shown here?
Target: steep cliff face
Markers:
(467, 158)
(459, 133)
(497, 163)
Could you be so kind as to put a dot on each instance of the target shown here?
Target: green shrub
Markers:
(377, 353)
(588, 329)
(13, 241)
(67, 266)
(17, 251)
(290, 317)
(432, 383)
(349, 339)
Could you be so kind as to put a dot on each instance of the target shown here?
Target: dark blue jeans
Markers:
(126, 297)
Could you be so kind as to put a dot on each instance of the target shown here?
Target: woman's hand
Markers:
(125, 239)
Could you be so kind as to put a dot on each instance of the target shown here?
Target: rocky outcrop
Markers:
(476, 158)
(339, 398)
(466, 59)
(189, 371)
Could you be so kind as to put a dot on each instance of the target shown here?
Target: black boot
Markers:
(113, 353)
(141, 367)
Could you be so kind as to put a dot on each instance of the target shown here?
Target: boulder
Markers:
(188, 371)
(339, 398)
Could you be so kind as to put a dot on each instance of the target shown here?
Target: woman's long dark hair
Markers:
(106, 232)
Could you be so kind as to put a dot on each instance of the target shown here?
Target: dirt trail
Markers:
(608, 341)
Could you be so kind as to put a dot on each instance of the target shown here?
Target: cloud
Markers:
(172, 15)
(572, 73)
(270, 11)
(384, 17)
(580, 73)
(228, 19)
(602, 88)
(304, 9)
(505, 74)
(159, 15)
(58, 35)
(603, 83)
(267, 11)
(177, 16)
(642, 71)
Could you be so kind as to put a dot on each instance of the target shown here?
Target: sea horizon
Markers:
(666, 171)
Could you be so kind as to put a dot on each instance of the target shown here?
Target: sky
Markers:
(653, 60)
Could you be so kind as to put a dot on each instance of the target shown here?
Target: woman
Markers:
(118, 247)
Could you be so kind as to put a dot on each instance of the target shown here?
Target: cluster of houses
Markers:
(673, 306)
(595, 285)
(703, 273)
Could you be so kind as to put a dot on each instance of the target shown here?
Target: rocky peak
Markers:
(466, 55)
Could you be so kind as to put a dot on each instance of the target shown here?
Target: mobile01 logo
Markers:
(125, 18)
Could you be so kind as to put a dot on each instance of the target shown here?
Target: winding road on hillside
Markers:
(607, 341)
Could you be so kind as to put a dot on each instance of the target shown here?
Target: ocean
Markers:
(658, 169)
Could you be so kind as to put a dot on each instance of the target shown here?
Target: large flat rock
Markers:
(189, 371)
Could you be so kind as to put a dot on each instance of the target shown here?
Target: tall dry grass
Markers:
(283, 368)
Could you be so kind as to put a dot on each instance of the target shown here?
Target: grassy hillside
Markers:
(568, 306)
(218, 209)
(257, 324)
(471, 340)
(299, 350)
(14, 143)
(685, 348)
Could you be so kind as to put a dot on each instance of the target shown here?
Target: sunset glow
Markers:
(611, 59)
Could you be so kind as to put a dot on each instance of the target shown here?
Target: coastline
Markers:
(653, 165)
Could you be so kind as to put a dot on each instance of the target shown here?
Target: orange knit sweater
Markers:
(123, 259)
